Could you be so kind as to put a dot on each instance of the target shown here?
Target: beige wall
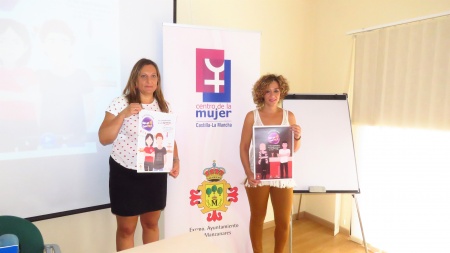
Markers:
(332, 57)
(285, 28)
(332, 47)
(306, 41)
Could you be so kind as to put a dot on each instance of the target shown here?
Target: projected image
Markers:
(58, 71)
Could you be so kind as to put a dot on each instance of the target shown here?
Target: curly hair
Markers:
(132, 94)
(260, 87)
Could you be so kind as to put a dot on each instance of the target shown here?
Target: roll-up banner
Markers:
(208, 74)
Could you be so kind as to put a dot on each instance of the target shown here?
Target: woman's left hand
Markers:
(296, 130)
(175, 169)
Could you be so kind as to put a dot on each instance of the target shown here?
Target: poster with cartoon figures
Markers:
(156, 141)
(272, 152)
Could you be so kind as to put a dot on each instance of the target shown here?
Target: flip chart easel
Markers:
(326, 161)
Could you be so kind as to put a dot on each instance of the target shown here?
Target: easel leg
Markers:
(360, 223)
(290, 231)
(298, 216)
(299, 204)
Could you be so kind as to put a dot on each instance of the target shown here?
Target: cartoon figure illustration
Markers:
(18, 88)
(263, 160)
(149, 153)
(160, 153)
(284, 154)
(58, 43)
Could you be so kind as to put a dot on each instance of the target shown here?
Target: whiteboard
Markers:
(326, 157)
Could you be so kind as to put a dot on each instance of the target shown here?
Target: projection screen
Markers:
(61, 63)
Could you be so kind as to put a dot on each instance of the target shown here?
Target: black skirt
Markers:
(133, 193)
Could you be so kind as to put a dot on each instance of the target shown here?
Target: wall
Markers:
(285, 48)
(86, 232)
(304, 40)
(332, 56)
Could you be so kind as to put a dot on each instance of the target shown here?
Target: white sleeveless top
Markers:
(280, 183)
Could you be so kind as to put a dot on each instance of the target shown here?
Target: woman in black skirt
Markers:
(135, 195)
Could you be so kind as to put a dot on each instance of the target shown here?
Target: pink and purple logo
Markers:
(147, 124)
(273, 137)
(213, 75)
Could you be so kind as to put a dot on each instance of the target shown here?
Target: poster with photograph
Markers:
(273, 152)
(156, 141)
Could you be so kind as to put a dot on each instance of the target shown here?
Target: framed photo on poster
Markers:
(156, 141)
(273, 150)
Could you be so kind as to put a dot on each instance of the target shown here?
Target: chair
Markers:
(9, 243)
(30, 238)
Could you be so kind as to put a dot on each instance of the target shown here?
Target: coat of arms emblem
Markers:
(215, 194)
